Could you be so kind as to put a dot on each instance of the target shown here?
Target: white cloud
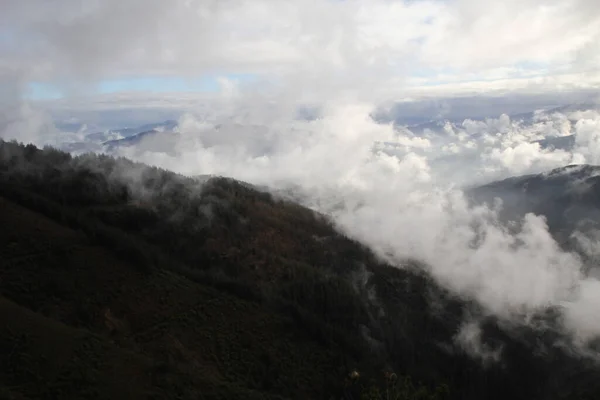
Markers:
(587, 139)
(529, 157)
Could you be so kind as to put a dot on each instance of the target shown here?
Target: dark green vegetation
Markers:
(122, 281)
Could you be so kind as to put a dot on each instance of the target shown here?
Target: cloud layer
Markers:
(320, 45)
(386, 186)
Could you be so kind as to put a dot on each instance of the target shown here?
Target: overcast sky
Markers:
(65, 47)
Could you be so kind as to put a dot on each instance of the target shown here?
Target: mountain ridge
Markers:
(327, 305)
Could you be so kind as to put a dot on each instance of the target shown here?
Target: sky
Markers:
(235, 72)
(144, 84)
(68, 46)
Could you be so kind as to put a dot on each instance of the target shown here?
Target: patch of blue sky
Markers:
(43, 91)
(170, 84)
(150, 84)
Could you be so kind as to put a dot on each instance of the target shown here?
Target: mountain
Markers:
(115, 134)
(124, 281)
(569, 198)
(155, 137)
(575, 107)
(110, 139)
(144, 139)
(557, 142)
(570, 113)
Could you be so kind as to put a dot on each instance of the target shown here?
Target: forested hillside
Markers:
(119, 280)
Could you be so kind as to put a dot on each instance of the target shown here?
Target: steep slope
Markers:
(568, 197)
(209, 323)
(183, 288)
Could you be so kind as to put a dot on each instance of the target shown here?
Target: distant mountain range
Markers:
(135, 139)
(568, 197)
(109, 140)
(112, 139)
(557, 142)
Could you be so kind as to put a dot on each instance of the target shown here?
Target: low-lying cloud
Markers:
(399, 201)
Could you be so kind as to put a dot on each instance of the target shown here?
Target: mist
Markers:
(396, 187)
